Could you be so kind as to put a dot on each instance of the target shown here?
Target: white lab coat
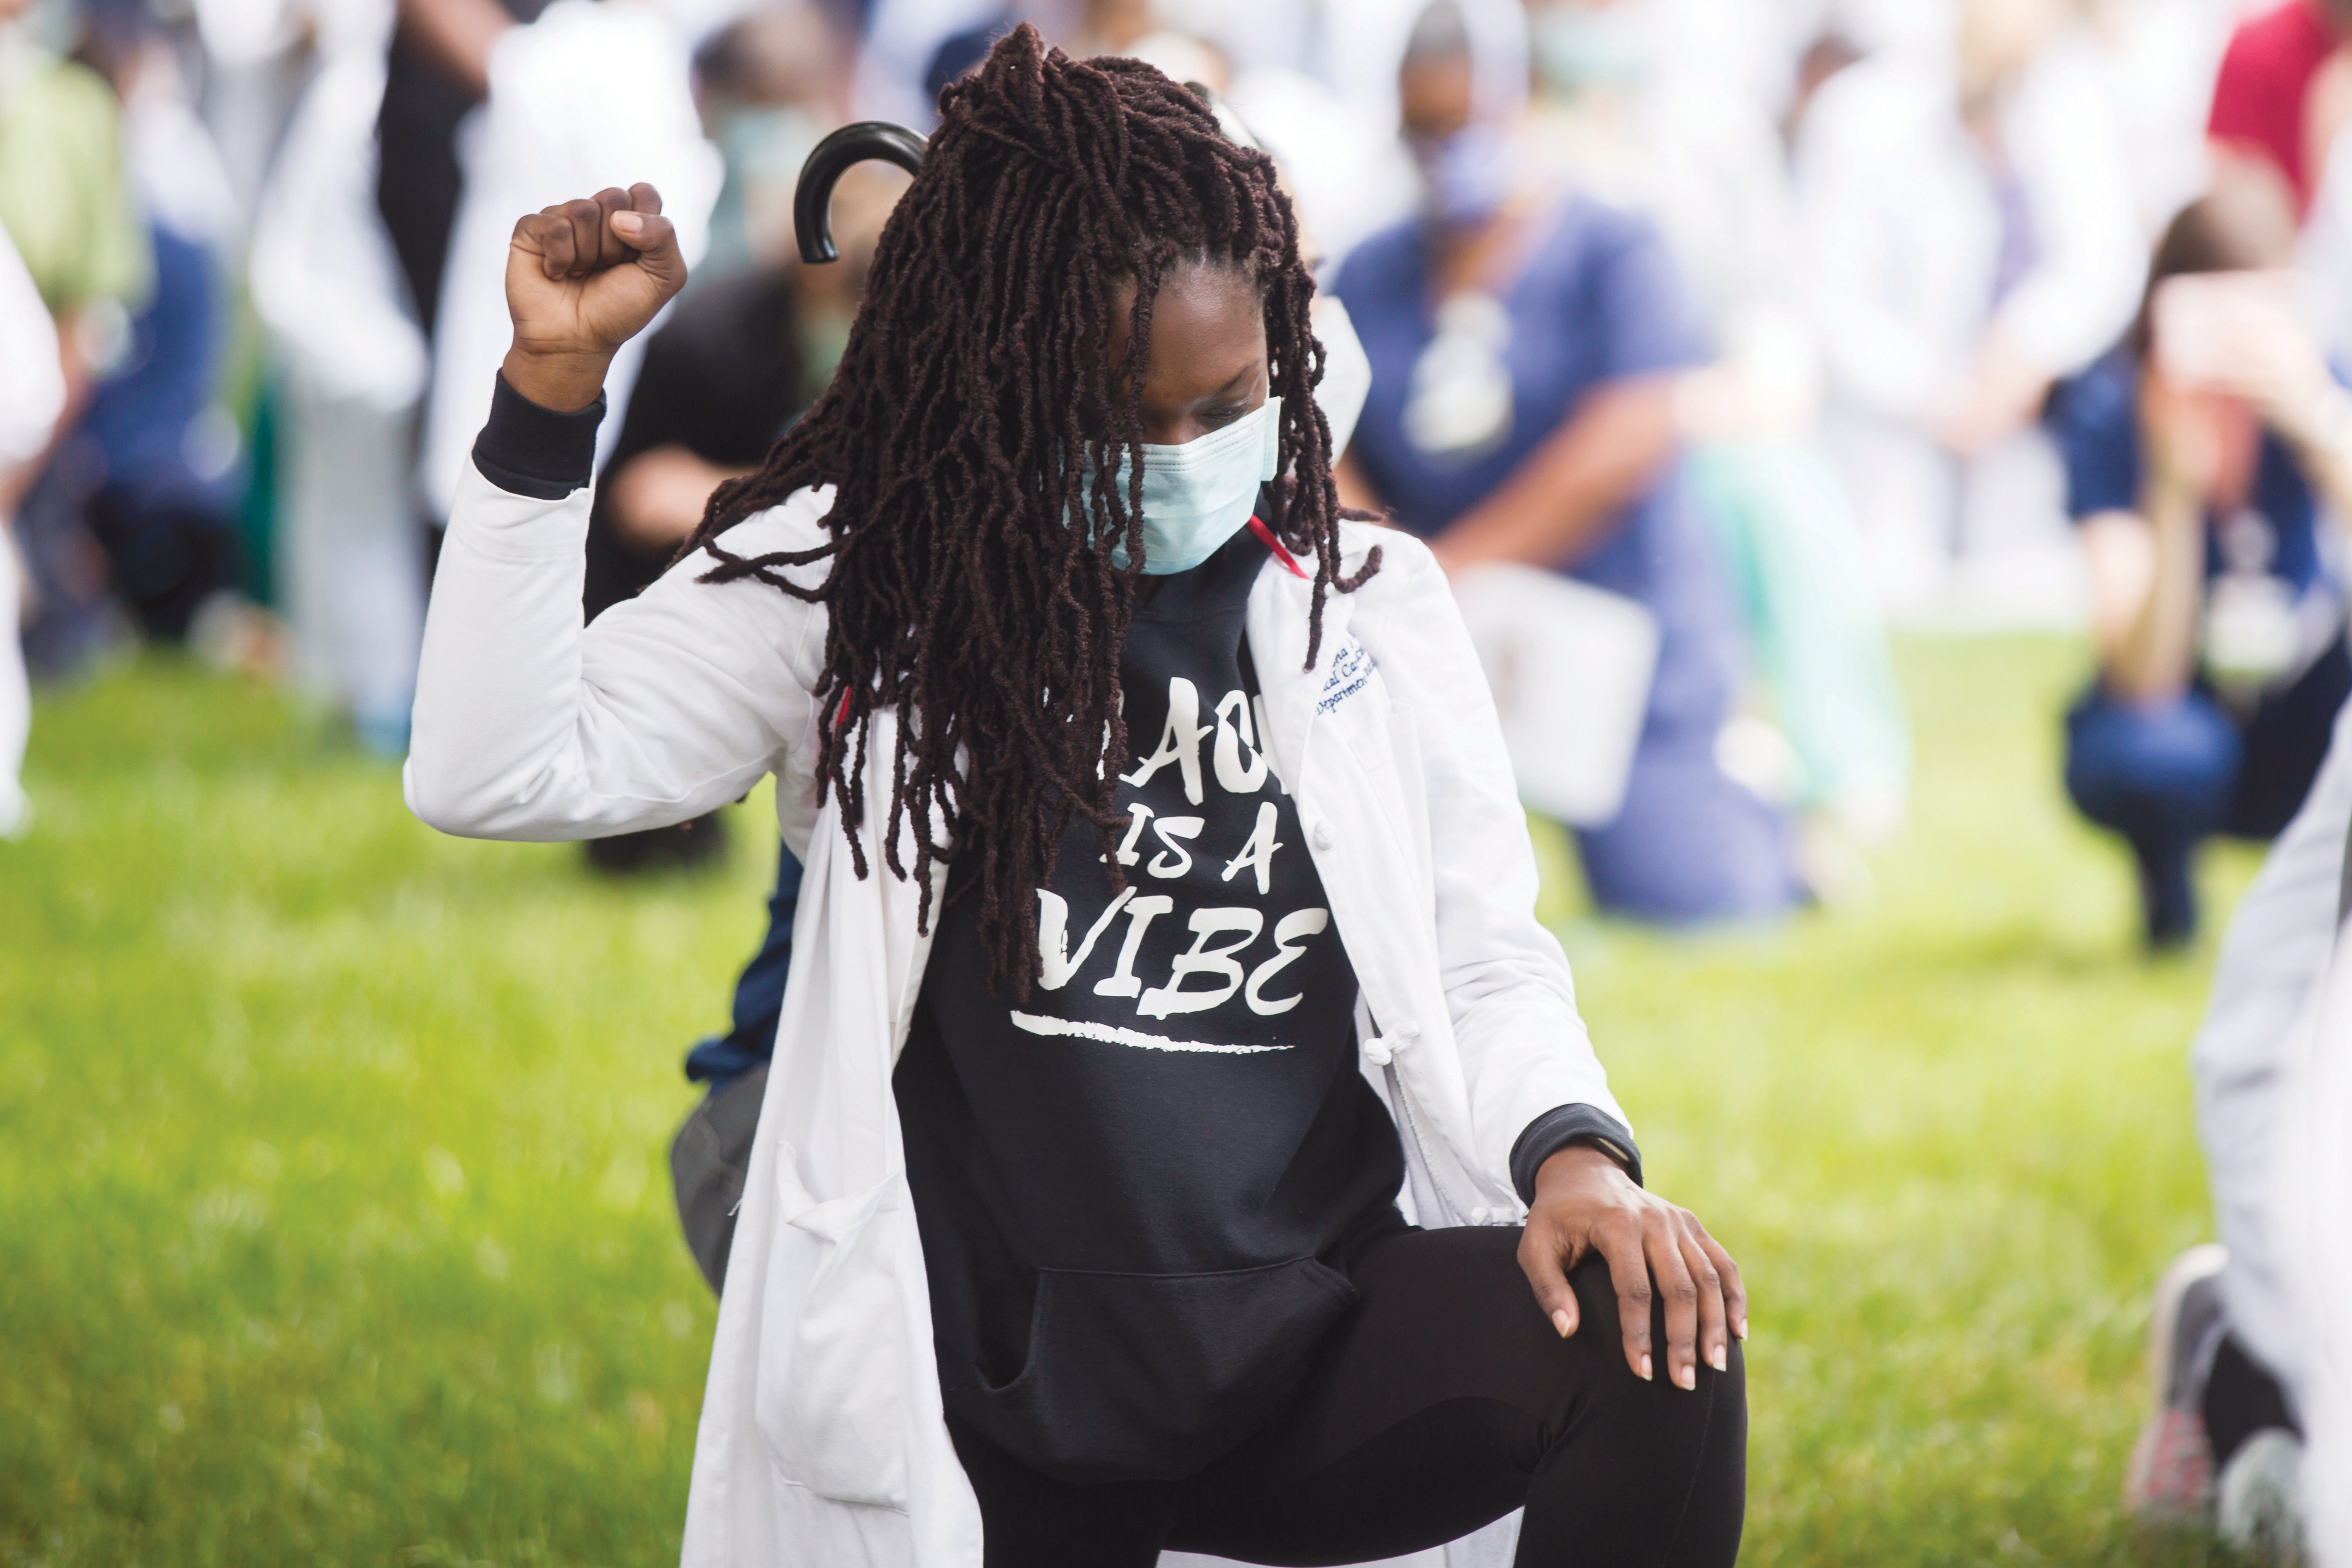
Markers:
(2310, 1194)
(2273, 1069)
(822, 1438)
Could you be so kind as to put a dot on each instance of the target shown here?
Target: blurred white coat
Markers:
(590, 95)
(2274, 1070)
(351, 367)
(32, 395)
(1905, 212)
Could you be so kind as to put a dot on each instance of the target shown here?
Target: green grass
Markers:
(335, 1224)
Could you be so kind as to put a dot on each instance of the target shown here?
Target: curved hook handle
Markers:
(813, 199)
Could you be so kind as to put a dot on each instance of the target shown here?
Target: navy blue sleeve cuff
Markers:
(1555, 1129)
(527, 450)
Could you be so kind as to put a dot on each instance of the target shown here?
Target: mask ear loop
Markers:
(813, 197)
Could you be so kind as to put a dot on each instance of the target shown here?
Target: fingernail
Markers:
(1716, 1359)
(1645, 1369)
(1686, 1378)
(1743, 1331)
(1559, 1320)
(628, 222)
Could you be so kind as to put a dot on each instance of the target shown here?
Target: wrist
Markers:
(1575, 1163)
(563, 381)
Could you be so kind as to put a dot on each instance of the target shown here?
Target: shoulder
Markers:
(1408, 574)
(793, 525)
(1381, 265)
(714, 325)
(2099, 404)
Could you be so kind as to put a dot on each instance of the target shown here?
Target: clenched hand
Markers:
(583, 279)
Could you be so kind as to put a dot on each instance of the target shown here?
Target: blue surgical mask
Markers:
(1467, 176)
(1200, 494)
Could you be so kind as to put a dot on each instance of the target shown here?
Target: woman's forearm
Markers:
(1555, 507)
(2156, 656)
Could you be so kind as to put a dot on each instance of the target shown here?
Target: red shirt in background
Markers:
(2265, 82)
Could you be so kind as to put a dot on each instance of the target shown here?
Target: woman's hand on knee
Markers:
(583, 279)
(1585, 1202)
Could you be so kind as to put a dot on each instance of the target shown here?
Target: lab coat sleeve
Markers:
(1508, 993)
(529, 726)
(2064, 140)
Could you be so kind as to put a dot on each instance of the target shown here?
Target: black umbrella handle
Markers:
(812, 200)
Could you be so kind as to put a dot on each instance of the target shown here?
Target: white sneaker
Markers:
(2260, 1510)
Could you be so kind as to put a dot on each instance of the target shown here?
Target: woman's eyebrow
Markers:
(1246, 373)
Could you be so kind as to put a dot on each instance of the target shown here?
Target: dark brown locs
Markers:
(970, 586)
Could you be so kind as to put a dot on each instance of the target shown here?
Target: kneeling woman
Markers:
(1166, 954)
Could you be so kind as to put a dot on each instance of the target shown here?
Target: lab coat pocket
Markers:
(833, 1366)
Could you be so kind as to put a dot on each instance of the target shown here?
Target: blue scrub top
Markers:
(1599, 301)
(2095, 420)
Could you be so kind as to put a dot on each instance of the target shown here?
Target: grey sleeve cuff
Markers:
(527, 450)
(1555, 1129)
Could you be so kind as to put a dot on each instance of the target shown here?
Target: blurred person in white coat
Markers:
(32, 396)
(1974, 236)
(2250, 1339)
(350, 363)
(594, 93)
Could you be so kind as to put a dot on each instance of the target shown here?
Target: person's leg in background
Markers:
(354, 578)
(1446, 1400)
(712, 1151)
(2162, 775)
(1690, 845)
(2285, 742)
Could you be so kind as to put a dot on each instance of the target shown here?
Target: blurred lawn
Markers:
(335, 1225)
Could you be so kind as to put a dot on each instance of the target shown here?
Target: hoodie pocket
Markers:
(1151, 1376)
(831, 1399)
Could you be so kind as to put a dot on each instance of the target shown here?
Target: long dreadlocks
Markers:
(972, 585)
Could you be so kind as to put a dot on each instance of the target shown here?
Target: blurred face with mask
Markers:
(1465, 162)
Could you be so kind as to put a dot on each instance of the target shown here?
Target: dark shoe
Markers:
(2171, 1482)
(2167, 901)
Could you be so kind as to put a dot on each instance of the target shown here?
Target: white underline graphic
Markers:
(1113, 1035)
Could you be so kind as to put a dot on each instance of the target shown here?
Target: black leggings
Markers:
(1443, 1402)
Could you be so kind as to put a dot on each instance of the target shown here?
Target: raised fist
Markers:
(583, 279)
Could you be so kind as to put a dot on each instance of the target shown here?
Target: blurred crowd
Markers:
(1756, 318)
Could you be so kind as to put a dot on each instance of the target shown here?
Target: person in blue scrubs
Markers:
(1524, 351)
(2196, 453)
